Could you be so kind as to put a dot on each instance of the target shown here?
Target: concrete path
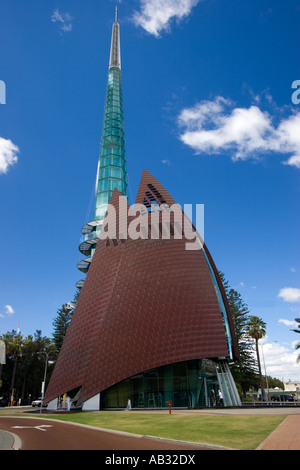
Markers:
(9, 441)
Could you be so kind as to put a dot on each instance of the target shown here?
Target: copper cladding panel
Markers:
(144, 304)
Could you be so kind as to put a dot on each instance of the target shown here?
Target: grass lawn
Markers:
(242, 432)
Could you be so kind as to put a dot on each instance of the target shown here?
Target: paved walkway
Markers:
(285, 437)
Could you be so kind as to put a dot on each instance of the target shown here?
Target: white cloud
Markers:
(66, 27)
(289, 139)
(286, 322)
(9, 310)
(64, 20)
(290, 294)
(155, 15)
(8, 154)
(280, 361)
(215, 127)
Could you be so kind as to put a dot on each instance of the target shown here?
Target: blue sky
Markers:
(208, 111)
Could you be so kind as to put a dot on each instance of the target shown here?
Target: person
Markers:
(213, 397)
(69, 403)
(221, 400)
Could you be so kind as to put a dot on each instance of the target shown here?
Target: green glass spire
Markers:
(112, 170)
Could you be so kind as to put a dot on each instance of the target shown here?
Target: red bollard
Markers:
(170, 406)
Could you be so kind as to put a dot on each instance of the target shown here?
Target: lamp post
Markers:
(262, 350)
(44, 383)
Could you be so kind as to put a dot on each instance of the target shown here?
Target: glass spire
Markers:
(112, 169)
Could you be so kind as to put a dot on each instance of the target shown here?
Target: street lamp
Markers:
(44, 383)
(262, 350)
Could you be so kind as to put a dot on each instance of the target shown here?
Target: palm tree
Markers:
(256, 329)
(297, 331)
(298, 347)
(14, 344)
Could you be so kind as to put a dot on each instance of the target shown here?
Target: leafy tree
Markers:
(62, 321)
(32, 365)
(273, 382)
(257, 330)
(24, 369)
(60, 324)
(244, 370)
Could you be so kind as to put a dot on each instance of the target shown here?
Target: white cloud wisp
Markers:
(8, 154)
(8, 311)
(64, 20)
(290, 294)
(216, 127)
(155, 15)
(287, 322)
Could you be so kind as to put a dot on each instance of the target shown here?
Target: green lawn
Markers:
(242, 432)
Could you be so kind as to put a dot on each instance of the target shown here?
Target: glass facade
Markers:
(112, 170)
(187, 384)
(222, 308)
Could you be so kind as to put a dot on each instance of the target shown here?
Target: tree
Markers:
(14, 343)
(273, 382)
(244, 370)
(297, 331)
(32, 365)
(24, 369)
(257, 330)
(61, 323)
